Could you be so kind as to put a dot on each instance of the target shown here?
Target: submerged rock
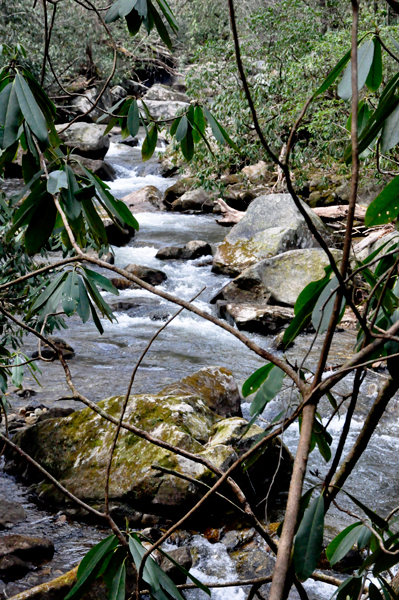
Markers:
(60, 344)
(186, 414)
(190, 251)
(18, 554)
(271, 225)
(10, 513)
(87, 139)
(277, 280)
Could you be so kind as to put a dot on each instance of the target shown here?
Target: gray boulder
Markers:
(277, 280)
(197, 200)
(263, 319)
(83, 103)
(163, 109)
(176, 190)
(87, 139)
(190, 251)
(186, 414)
(165, 93)
(271, 225)
(147, 199)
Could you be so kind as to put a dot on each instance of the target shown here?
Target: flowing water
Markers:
(103, 365)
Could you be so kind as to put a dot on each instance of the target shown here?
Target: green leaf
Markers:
(149, 143)
(17, 373)
(218, 131)
(83, 307)
(374, 593)
(303, 504)
(96, 320)
(309, 540)
(187, 145)
(165, 8)
(159, 24)
(25, 211)
(269, 389)
(174, 126)
(117, 591)
(56, 181)
(182, 129)
(117, 207)
(17, 197)
(390, 131)
(385, 208)
(30, 109)
(198, 583)
(85, 193)
(94, 220)
(70, 293)
(254, 382)
(133, 119)
(323, 440)
(73, 208)
(89, 567)
(337, 70)
(41, 225)
(349, 588)
(125, 7)
(322, 312)
(101, 281)
(342, 543)
(113, 13)
(10, 116)
(199, 124)
(364, 537)
(386, 561)
(374, 78)
(374, 518)
(50, 289)
(133, 22)
(364, 61)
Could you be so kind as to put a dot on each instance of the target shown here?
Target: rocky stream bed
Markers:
(101, 368)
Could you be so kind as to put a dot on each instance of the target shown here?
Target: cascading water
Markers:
(103, 366)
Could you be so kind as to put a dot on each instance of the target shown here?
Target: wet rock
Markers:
(178, 189)
(197, 200)
(147, 274)
(10, 513)
(263, 319)
(148, 199)
(87, 139)
(163, 109)
(216, 385)
(190, 251)
(165, 93)
(271, 225)
(76, 450)
(117, 236)
(239, 196)
(13, 568)
(182, 556)
(48, 352)
(123, 284)
(29, 549)
(101, 168)
(235, 539)
(277, 280)
(55, 413)
(252, 561)
(26, 393)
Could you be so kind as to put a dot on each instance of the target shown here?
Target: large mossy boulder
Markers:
(186, 414)
(277, 280)
(271, 225)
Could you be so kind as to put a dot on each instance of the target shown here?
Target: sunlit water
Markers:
(103, 365)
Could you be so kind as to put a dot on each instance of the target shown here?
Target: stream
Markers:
(103, 364)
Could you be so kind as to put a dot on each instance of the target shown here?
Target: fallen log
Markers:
(230, 215)
(339, 212)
